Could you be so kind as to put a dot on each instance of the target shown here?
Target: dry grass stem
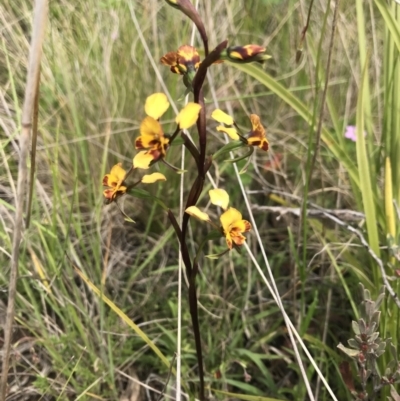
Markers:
(35, 53)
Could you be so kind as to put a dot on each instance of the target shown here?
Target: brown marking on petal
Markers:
(239, 239)
(253, 141)
(175, 70)
(120, 190)
(247, 54)
(254, 49)
(247, 225)
(171, 58)
(229, 242)
(108, 193)
(256, 124)
(156, 153)
(155, 143)
(264, 145)
(257, 134)
(139, 143)
(105, 181)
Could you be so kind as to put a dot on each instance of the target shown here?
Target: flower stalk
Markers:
(154, 142)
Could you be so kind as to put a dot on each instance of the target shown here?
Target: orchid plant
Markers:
(153, 143)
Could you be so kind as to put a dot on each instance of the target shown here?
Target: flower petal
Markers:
(219, 197)
(171, 59)
(188, 115)
(231, 132)
(228, 218)
(108, 193)
(150, 133)
(118, 172)
(196, 212)
(241, 226)
(221, 117)
(257, 134)
(156, 105)
(143, 160)
(151, 178)
(110, 181)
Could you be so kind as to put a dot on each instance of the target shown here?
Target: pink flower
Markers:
(351, 133)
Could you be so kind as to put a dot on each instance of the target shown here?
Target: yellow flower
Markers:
(233, 227)
(256, 137)
(115, 181)
(151, 133)
(152, 137)
(188, 115)
(232, 224)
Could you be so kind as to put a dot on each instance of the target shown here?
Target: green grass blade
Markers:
(390, 21)
(364, 171)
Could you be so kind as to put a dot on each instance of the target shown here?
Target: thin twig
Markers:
(39, 23)
(303, 33)
(344, 214)
(324, 94)
(168, 378)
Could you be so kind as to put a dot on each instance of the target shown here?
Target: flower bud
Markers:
(245, 54)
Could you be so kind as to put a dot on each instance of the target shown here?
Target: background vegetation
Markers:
(96, 74)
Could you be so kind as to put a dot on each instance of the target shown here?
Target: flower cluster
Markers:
(152, 144)
(232, 224)
(256, 136)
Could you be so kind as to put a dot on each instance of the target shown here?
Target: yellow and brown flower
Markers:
(232, 224)
(246, 54)
(115, 181)
(152, 138)
(256, 137)
(185, 60)
(152, 135)
(152, 141)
